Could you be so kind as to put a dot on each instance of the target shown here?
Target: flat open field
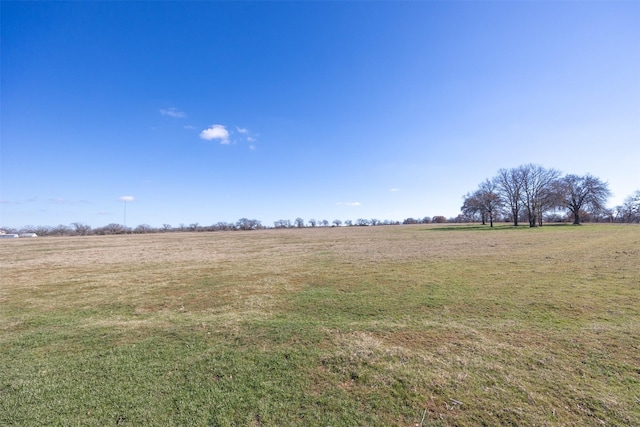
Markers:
(348, 326)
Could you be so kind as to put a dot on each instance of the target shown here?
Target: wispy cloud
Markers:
(248, 136)
(218, 132)
(189, 127)
(58, 200)
(173, 112)
(348, 203)
(393, 190)
(126, 198)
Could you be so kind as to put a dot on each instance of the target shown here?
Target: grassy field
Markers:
(349, 326)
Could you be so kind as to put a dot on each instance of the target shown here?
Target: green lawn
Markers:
(346, 326)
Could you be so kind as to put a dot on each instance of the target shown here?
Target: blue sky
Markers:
(212, 111)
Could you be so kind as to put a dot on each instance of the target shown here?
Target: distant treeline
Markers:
(82, 229)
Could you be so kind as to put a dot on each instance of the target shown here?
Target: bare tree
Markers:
(248, 224)
(313, 222)
(337, 222)
(81, 229)
(583, 192)
(299, 222)
(485, 201)
(166, 227)
(60, 230)
(509, 183)
(490, 199)
(143, 229)
(282, 223)
(348, 223)
(538, 191)
(472, 207)
(114, 228)
(630, 209)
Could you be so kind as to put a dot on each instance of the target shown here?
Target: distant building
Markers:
(28, 235)
(8, 236)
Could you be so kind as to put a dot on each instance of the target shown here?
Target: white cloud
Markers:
(126, 198)
(393, 190)
(173, 112)
(252, 147)
(242, 130)
(189, 127)
(348, 203)
(216, 132)
(58, 200)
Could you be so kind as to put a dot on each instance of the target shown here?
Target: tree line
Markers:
(529, 193)
(82, 229)
(533, 193)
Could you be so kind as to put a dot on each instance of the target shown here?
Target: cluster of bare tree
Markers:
(529, 192)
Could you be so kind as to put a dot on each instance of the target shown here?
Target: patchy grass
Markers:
(402, 325)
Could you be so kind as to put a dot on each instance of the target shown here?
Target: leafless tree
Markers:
(114, 228)
(472, 207)
(490, 199)
(313, 222)
(485, 201)
(81, 229)
(509, 183)
(282, 223)
(248, 224)
(60, 230)
(337, 222)
(143, 229)
(630, 209)
(583, 193)
(539, 192)
(299, 222)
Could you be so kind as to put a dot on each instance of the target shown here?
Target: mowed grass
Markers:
(348, 326)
